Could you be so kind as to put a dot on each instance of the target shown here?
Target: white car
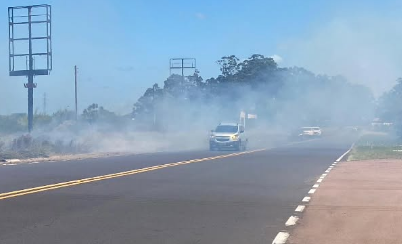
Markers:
(310, 132)
(228, 136)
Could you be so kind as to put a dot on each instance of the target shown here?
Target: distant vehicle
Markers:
(310, 132)
(228, 136)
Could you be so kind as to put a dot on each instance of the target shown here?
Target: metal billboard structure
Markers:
(30, 46)
(182, 64)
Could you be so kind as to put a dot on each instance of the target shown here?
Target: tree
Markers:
(62, 115)
(229, 65)
(389, 108)
(90, 114)
(278, 95)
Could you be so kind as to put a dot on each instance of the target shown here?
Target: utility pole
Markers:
(30, 73)
(44, 103)
(182, 67)
(154, 104)
(76, 93)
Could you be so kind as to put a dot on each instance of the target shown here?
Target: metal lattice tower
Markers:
(30, 46)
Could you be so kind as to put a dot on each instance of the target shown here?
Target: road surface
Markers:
(221, 198)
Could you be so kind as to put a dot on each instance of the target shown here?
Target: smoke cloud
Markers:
(364, 48)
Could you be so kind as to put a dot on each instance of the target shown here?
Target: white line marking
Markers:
(300, 208)
(331, 167)
(316, 186)
(327, 171)
(343, 155)
(13, 160)
(306, 199)
(9, 164)
(311, 191)
(281, 238)
(319, 180)
(292, 220)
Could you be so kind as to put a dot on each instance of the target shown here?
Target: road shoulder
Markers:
(359, 202)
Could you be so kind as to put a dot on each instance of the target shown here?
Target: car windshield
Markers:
(227, 128)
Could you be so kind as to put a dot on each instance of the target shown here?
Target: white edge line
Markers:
(319, 180)
(292, 220)
(316, 185)
(311, 191)
(300, 208)
(306, 199)
(281, 238)
(343, 155)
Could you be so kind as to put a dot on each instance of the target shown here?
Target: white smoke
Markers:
(366, 49)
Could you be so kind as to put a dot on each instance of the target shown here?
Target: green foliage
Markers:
(389, 107)
(63, 115)
(13, 123)
(42, 120)
(91, 113)
(95, 113)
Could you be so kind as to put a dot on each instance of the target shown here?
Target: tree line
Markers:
(287, 96)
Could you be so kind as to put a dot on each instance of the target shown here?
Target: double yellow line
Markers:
(33, 190)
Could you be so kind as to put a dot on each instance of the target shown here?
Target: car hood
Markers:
(224, 134)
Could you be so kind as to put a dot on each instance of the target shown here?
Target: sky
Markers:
(122, 47)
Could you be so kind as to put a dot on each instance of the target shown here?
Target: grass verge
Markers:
(376, 145)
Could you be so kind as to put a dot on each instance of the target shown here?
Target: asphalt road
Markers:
(238, 199)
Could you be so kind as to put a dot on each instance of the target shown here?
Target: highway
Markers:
(188, 197)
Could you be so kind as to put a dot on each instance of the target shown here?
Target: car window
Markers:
(227, 129)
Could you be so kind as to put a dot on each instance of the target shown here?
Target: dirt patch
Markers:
(65, 157)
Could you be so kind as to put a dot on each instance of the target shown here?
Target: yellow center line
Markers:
(111, 176)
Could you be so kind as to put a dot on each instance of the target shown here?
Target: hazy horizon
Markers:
(123, 47)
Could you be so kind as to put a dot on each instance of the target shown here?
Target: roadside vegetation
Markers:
(289, 97)
(384, 141)
(55, 134)
(377, 145)
(283, 99)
